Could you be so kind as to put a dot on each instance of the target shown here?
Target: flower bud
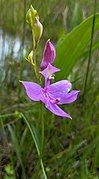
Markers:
(31, 15)
(36, 26)
(38, 29)
(30, 58)
(34, 12)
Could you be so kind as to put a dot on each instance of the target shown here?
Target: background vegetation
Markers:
(71, 148)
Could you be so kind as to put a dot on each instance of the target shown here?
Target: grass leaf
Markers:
(16, 147)
(71, 48)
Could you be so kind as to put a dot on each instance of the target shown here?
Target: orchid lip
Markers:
(45, 90)
(55, 101)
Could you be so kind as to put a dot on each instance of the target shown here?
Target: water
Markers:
(9, 45)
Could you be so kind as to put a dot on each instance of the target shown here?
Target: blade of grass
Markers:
(17, 148)
(90, 49)
(36, 140)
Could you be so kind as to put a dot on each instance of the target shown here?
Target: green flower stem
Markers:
(42, 117)
(34, 56)
(42, 121)
(33, 39)
(35, 65)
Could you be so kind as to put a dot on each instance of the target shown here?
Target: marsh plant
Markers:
(51, 94)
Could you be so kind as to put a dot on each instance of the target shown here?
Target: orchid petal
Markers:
(69, 97)
(57, 110)
(49, 71)
(48, 55)
(56, 90)
(33, 90)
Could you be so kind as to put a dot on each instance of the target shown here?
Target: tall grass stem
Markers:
(90, 51)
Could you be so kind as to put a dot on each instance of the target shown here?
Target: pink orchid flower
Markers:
(52, 95)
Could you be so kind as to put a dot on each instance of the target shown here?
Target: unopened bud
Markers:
(38, 30)
(34, 12)
(30, 58)
(36, 26)
(31, 15)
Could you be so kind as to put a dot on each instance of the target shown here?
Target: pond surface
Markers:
(9, 45)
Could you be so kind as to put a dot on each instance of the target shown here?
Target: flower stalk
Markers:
(32, 18)
(42, 126)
